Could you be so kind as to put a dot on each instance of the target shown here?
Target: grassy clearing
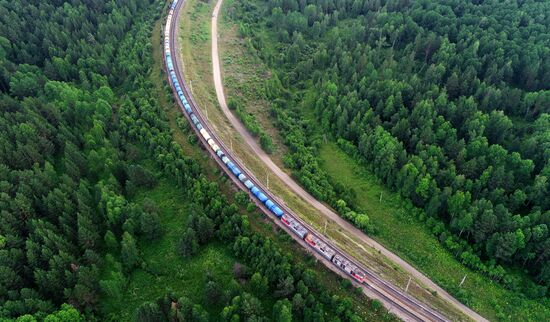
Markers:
(186, 277)
(411, 240)
(195, 53)
(244, 76)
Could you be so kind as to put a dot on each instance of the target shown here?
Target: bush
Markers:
(266, 142)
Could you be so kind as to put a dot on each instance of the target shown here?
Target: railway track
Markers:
(398, 302)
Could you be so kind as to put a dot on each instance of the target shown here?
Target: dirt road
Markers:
(297, 189)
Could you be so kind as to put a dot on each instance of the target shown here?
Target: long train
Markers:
(375, 284)
(312, 240)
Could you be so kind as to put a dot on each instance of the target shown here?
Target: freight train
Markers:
(294, 225)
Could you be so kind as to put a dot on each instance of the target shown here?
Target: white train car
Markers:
(205, 134)
(320, 246)
(349, 268)
(213, 145)
(294, 225)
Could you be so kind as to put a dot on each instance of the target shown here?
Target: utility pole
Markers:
(462, 282)
(408, 283)
(380, 197)
(191, 85)
(206, 110)
(267, 185)
(325, 230)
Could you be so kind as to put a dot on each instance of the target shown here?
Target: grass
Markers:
(244, 76)
(411, 240)
(186, 277)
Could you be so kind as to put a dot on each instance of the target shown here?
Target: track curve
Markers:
(396, 301)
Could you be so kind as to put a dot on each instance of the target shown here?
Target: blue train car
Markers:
(262, 197)
(195, 120)
(269, 204)
(277, 211)
(259, 194)
(236, 171)
(187, 108)
(255, 190)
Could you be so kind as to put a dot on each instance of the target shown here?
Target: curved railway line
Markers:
(398, 302)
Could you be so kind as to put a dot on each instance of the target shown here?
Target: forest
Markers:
(446, 102)
(82, 134)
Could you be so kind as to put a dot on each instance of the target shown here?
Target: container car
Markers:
(249, 184)
(269, 204)
(277, 211)
(205, 134)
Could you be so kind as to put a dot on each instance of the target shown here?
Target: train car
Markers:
(294, 225)
(320, 246)
(249, 185)
(220, 154)
(242, 177)
(269, 204)
(274, 208)
(349, 268)
(236, 171)
(187, 107)
(258, 194)
(262, 197)
(277, 211)
(225, 159)
(194, 119)
(205, 134)
(215, 147)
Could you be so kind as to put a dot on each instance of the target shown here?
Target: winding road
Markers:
(296, 188)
